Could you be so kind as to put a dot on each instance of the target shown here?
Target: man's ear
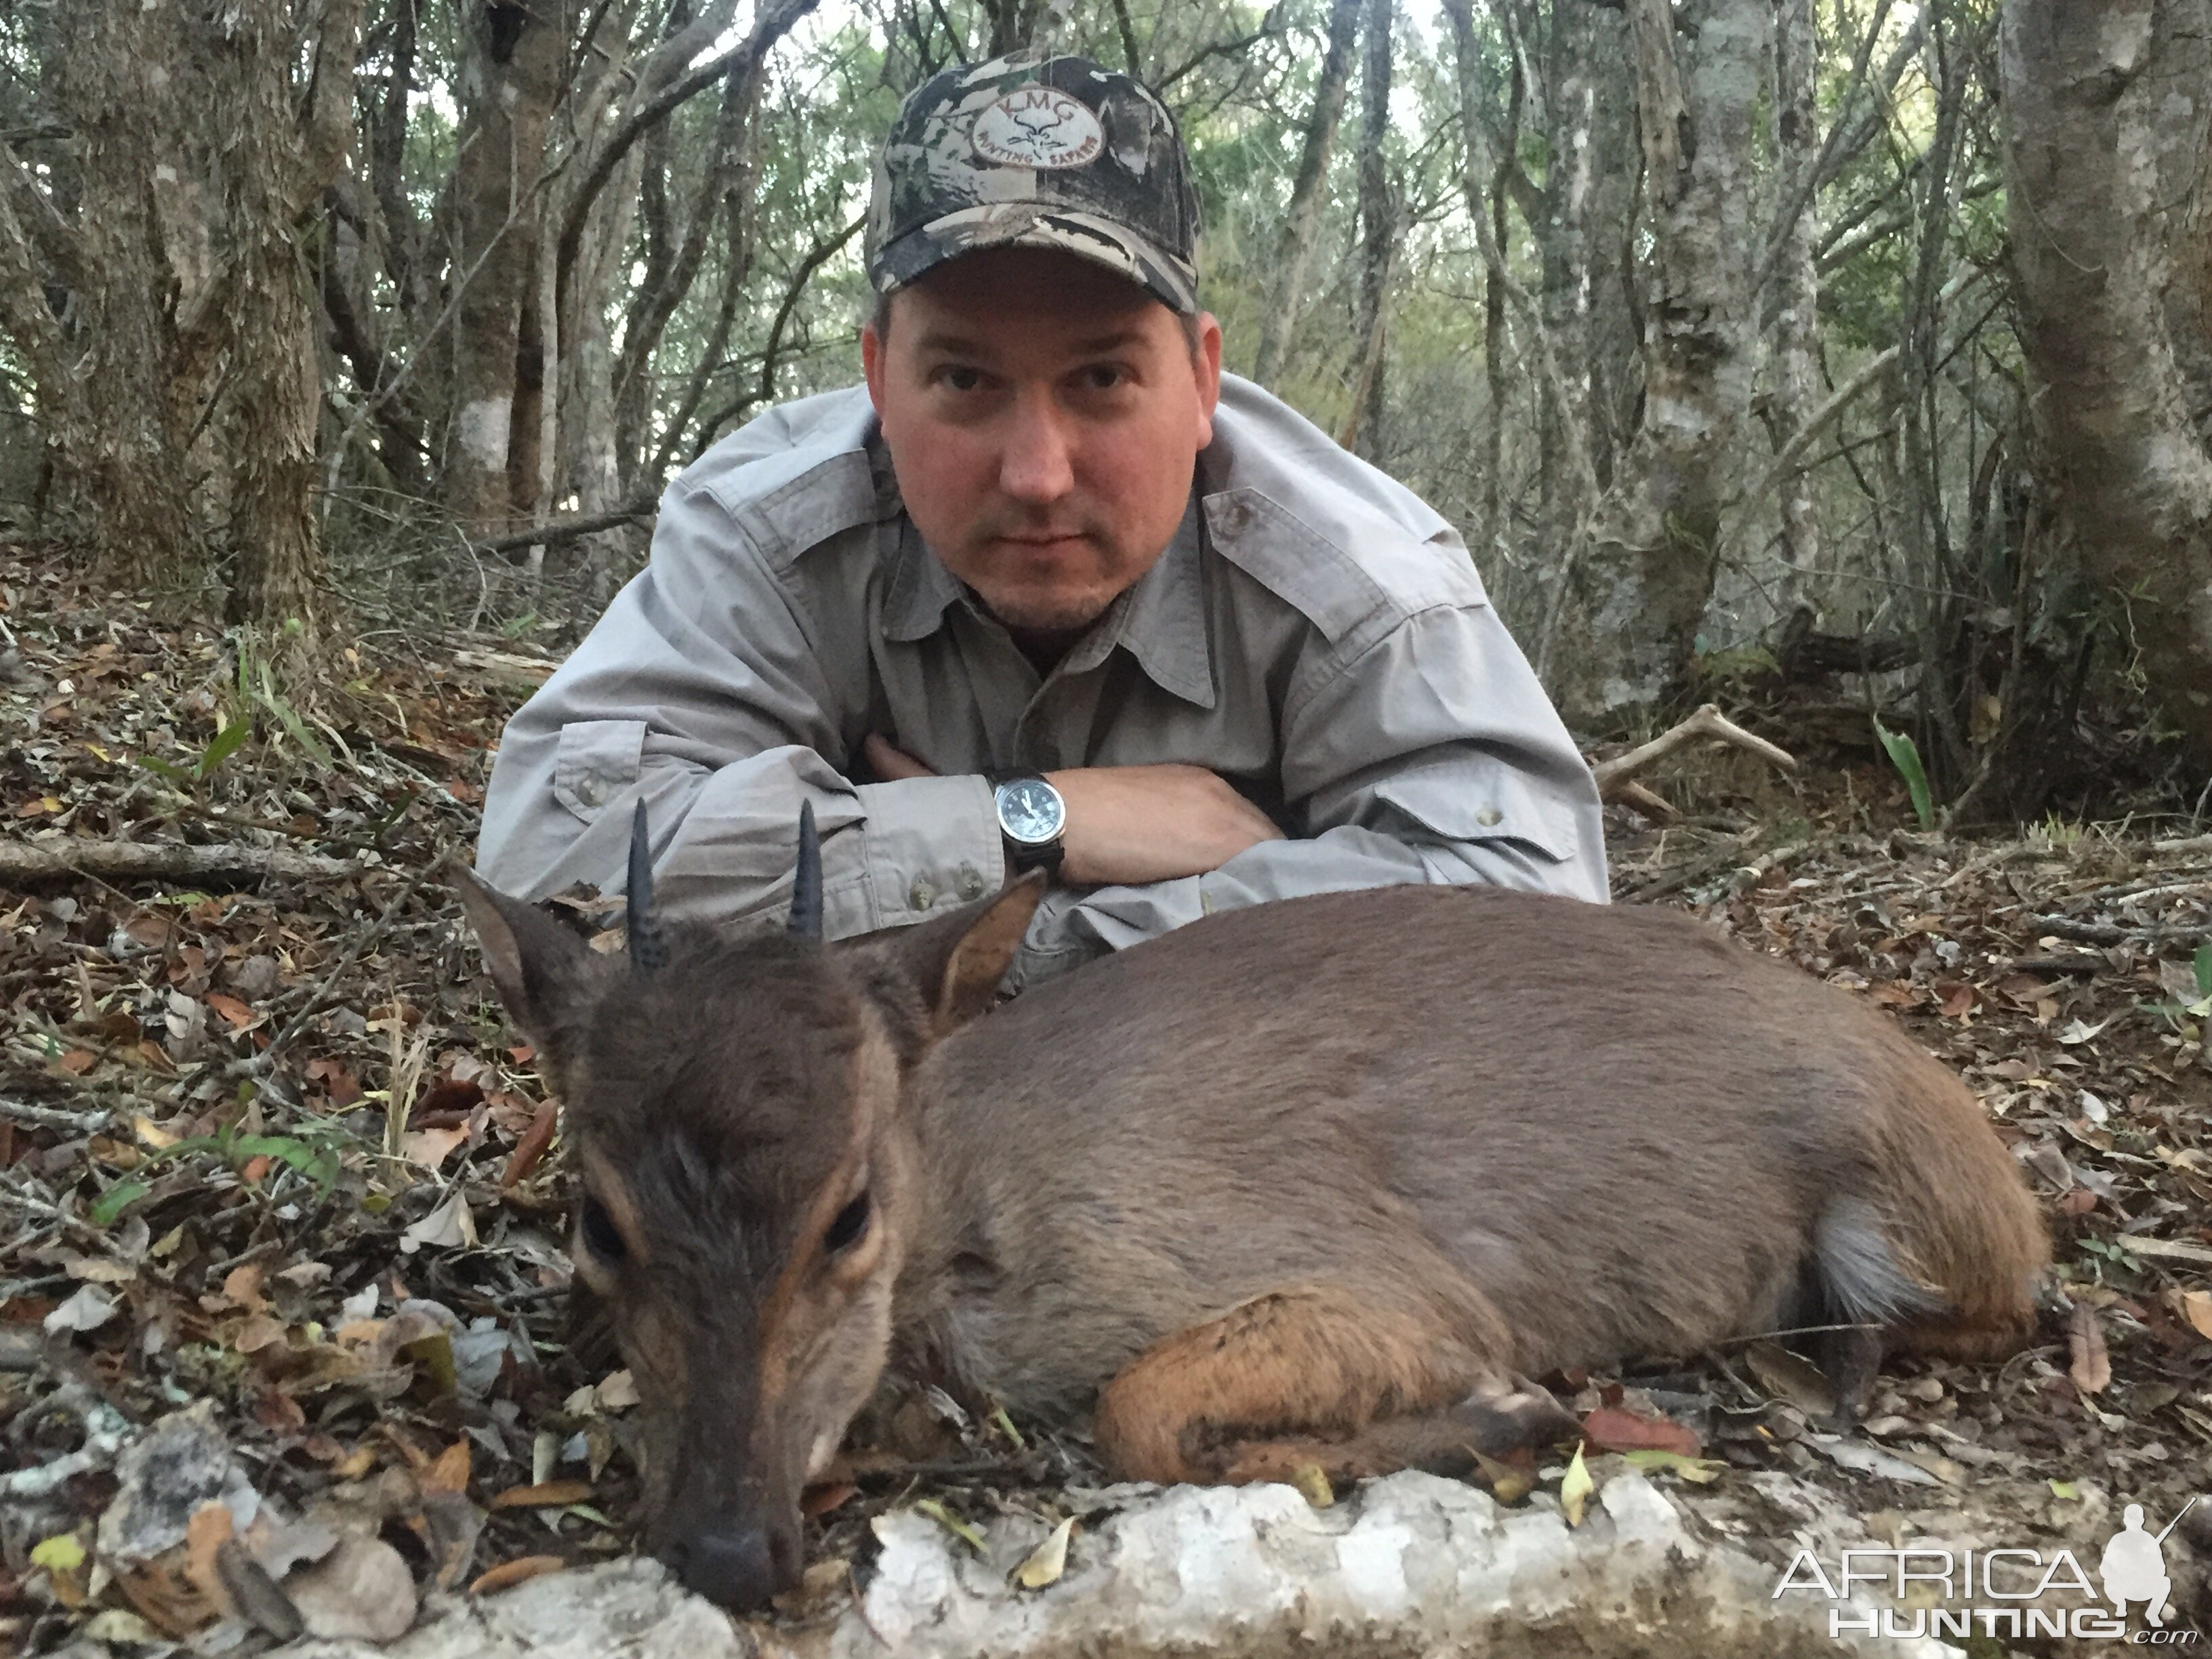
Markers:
(544, 972)
(956, 961)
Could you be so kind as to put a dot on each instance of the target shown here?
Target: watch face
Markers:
(1031, 811)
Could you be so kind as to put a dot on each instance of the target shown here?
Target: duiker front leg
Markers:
(1355, 1380)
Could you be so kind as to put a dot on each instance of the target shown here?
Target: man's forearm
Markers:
(724, 837)
(1076, 925)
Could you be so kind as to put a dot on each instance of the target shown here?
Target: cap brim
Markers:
(1042, 225)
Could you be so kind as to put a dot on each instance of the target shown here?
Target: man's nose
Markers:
(736, 1566)
(1036, 463)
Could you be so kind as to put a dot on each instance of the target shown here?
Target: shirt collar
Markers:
(1160, 620)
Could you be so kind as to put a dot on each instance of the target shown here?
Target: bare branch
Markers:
(1613, 776)
(567, 529)
(1270, 25)
(774, 22)
(36, 215)
(30, 321)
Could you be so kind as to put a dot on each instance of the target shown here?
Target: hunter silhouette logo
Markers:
(2133, 1566)
(1038, 127)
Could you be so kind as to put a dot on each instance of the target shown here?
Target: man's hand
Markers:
(1136, 823)
(1132, 823)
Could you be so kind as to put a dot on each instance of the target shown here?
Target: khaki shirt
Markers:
(1314, 634)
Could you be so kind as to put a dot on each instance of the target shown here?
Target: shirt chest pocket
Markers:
(596, 761)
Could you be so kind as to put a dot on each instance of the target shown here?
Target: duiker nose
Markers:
(736, 1566)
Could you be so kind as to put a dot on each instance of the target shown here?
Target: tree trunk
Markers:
(122, 389)
(278, 166)
(2109, 176)
(1302, 221)
(182, 400)
(1797, 281)
(511, 76)
(1378, 231)
(1642, 588)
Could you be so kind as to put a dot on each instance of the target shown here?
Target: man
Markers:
(1049, 592)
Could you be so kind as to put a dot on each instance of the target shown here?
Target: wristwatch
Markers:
(1031, 816)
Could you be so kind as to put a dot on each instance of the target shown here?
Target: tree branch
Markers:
(36, 215)
(1269, 27)
(774, 22)
(567, 529)
(30, 321)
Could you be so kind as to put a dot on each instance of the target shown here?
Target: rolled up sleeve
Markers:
(1429, 756)
(707, 693)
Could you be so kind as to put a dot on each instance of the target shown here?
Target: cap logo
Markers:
(1038, 127)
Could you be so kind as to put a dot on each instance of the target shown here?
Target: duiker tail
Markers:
(1948, 1252)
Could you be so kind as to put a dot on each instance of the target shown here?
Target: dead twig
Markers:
(268, 1057)
(26, 864)
(1616, 777)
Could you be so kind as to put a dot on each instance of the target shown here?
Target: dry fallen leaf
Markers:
(1312, 1482)
(2092, 1370)
(1576, 1489)
(1792, 1380)
(432, 1147)
(1613, 1428)
(361, 1591)
(449, 1472)
(547, 1494)
(508, 1574)
(2193, 1308)
(1509, 1484)
(1049, 1559)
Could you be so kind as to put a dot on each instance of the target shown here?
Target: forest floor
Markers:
(267, 1143)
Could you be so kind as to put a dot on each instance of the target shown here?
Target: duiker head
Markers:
(745, 1167)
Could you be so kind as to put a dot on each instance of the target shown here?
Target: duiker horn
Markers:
(806, 877)
(649, 942)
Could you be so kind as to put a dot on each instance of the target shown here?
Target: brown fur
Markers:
(1318, 1181)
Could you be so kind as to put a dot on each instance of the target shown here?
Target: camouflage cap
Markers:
(1022, 152)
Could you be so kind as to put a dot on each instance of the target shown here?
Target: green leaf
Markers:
(2065, 1489)
(62, 1552)
(319, 1163)
(162, 768)
(2203, 966)
(223, 747)
(953, 1524)
(116, 1200)
(273, 701)
(1905, 754)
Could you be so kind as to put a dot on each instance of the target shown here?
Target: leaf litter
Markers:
(278, 1184)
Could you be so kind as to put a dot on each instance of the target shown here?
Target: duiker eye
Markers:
(851, 1223)
(601, 1237)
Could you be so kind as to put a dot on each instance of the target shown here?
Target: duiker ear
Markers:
(543, 971)
(957, 960)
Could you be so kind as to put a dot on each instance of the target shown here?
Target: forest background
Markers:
(1850, 359)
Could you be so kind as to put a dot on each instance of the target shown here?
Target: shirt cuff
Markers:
(932, 843)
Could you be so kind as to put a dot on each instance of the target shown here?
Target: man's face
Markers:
(1044, 416)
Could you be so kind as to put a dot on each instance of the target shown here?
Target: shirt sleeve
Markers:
(1431, 755)
(706, 692)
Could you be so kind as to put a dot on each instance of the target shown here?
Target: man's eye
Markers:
(1103, 377)
(957, 379)
(601, 1237)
